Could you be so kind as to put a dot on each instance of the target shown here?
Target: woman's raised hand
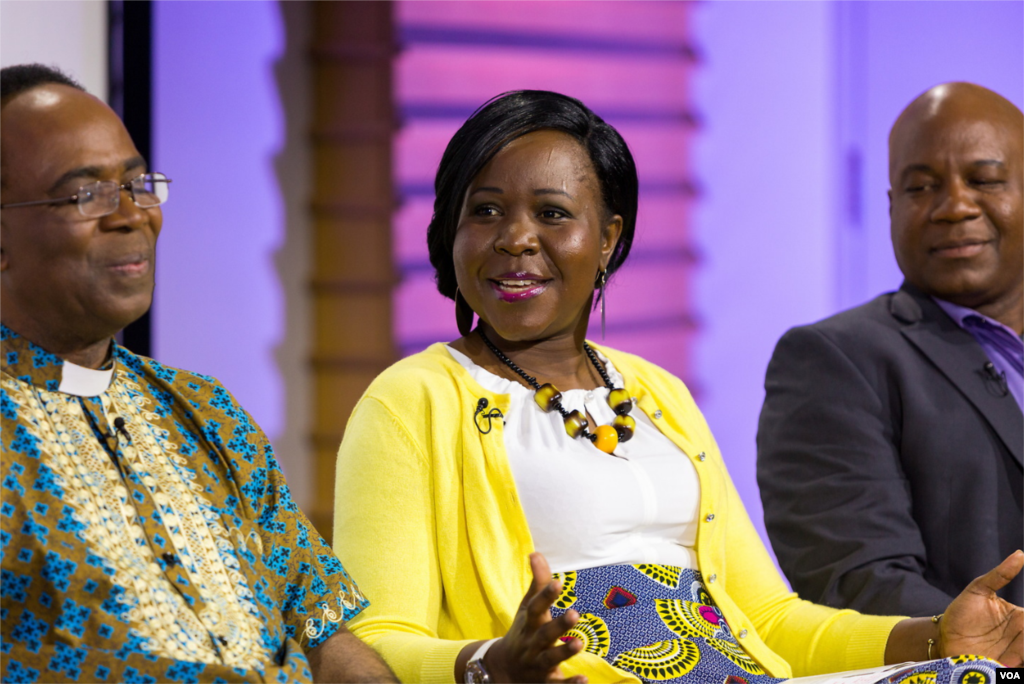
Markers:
(978, 622)
(531, 651)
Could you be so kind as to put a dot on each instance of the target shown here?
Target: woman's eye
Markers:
(553, 214)
(485, 210)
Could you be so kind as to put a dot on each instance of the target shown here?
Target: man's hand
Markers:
(344, 658)
(980, 623)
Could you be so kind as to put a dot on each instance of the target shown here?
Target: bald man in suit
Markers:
(890, 442)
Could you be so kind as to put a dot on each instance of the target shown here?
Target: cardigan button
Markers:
(710, 517)
(743, 634)
(702, 455)
(657, 414)
(712, 579)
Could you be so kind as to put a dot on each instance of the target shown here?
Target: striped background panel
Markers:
(630, 62)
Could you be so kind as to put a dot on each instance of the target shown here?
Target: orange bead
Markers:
(607, 438)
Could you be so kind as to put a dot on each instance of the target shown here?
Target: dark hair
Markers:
(16, 79)
(19, 78)
(498, 122)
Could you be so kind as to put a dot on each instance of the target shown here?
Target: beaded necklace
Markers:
(547, 396)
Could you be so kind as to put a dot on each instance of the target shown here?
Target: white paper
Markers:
(868, 676)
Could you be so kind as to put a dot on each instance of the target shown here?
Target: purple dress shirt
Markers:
(1004, 348)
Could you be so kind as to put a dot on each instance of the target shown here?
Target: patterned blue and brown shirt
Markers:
(147, 533)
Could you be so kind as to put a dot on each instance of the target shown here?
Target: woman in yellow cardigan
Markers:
(460, 462)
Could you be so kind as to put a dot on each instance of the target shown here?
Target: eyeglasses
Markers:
(101, 198)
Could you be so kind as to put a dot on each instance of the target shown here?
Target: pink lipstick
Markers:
(516, 287)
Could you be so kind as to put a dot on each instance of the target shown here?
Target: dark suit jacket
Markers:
(889, 461)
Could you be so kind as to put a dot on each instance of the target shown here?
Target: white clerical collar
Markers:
(84, 382)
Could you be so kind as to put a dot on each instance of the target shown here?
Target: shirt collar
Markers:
(84, 382)
(31, 363)
(959, 314)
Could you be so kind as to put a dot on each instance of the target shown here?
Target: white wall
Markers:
(69, 34)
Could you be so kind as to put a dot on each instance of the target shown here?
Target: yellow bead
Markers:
(575, 424)
(624, 426)
(620, 401)
(547, 396)
(607, 438)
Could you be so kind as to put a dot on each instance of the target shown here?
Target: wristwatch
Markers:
(476, 673)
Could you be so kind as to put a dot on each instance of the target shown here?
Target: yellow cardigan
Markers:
(428, 521)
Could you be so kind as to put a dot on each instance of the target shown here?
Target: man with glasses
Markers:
(148, 533)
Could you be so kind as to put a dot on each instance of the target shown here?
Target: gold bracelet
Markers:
(931, 642)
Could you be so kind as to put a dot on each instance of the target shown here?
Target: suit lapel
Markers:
(961, 359)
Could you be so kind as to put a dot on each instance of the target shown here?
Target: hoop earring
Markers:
(463, 314)
(602, 279)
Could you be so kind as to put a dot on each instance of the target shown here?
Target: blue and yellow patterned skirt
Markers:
(659, 623)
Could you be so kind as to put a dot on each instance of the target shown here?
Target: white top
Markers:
(586, 508)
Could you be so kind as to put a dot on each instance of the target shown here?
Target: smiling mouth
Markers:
(517, 289)
(959, 250)
(135, 267)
